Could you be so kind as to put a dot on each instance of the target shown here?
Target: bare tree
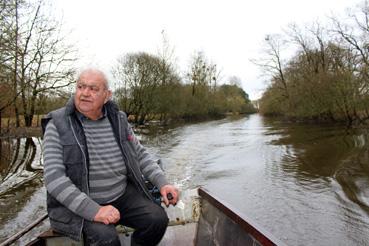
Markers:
(6, 89)
(140, 75)
(169, 82)
(40, 59)
(353, 35)
(273, 63)
(203, 75)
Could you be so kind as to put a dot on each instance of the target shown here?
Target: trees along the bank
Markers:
(148, 87)
(145, 86)
(327, 78)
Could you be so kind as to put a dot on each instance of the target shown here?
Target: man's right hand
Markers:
(107, 215)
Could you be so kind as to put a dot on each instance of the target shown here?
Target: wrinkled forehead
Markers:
(92, 77)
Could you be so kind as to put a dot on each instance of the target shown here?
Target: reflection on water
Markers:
(306, 184)
(21, 194)
(20, 162)
(317, 155)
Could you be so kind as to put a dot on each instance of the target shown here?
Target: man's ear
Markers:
(108, 96)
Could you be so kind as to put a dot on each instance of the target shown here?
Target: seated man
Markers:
(95, 168)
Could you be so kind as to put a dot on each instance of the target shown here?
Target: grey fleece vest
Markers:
(76, 161)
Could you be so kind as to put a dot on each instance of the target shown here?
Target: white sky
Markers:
(229, 32)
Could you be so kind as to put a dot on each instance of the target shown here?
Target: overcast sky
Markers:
(229, 32)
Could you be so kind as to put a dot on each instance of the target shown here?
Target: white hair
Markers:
(93, 70)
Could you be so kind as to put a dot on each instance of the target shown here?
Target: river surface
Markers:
(304, 184)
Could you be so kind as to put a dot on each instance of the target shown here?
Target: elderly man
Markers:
(95, 168)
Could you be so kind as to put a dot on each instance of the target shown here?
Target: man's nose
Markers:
(86, 91)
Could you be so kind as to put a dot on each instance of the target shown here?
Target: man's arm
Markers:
(147, 164)
(153, 172)
(58, 184)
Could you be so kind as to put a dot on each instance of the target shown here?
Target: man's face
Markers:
(91, 94)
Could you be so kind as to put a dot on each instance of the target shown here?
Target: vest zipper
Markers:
(85, 166)
(127, 164)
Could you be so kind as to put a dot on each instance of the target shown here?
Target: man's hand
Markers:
(107, 215)
(166, 189)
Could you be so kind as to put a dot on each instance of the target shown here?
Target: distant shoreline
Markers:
(36, 131)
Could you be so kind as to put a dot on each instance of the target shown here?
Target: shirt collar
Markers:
(83, 117)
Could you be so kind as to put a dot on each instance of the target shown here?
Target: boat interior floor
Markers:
(179, 235)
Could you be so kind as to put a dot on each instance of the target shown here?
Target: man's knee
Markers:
(159, 218)
(100, 234)
(151, 234)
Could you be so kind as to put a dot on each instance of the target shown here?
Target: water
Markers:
(305, 184)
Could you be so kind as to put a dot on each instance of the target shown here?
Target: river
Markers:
(305, 184)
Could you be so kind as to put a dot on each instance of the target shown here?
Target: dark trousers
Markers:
(136, 211)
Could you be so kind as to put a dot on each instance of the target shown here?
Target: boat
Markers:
(200, 218)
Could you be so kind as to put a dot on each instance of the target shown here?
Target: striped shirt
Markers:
(107, 171)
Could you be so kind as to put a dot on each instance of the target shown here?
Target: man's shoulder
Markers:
(122, 114)
(56, 112)
(59, 110)
(52, 116)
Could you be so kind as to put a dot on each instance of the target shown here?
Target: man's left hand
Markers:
(165, 190)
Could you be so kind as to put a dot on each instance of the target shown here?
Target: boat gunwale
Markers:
(249, 226)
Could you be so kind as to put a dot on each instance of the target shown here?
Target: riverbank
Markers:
(36, 131)
(21, 132)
